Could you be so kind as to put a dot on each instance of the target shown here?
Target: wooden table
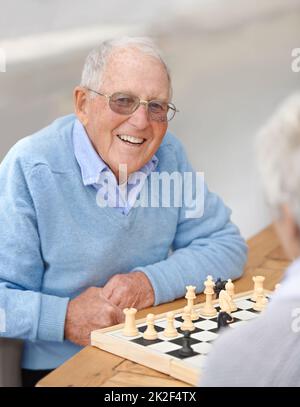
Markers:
(96, 368)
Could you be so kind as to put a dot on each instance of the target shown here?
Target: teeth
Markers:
(132, 139)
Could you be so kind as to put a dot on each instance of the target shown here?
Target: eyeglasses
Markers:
(125, 104)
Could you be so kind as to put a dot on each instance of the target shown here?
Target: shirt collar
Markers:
(90, 162)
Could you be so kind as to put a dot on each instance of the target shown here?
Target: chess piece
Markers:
(190, 296)
(186, 349)
(130, 326)
(219, 285)
(277, 286)
(187, 324)
(224, 319)
(258, 283)
(170, 330)
(261, 300)
(229, 287)
(150, 334)
(225, 302)
(209, 310)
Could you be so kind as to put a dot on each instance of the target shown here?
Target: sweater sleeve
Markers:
(207, 243)
(26, 312)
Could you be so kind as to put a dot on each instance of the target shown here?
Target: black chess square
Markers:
(179, 341)
(176, 354)
(146, 342)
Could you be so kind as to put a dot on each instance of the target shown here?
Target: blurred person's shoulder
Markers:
(260, 353)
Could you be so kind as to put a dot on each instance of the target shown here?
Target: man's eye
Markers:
(124, 101)
(156, 107)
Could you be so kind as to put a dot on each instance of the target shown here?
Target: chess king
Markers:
(69, 264)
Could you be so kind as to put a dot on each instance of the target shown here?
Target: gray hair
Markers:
(278, 152)
(96, 60)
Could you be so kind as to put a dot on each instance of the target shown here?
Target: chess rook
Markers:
(130, 328)
(191, 296)
(258, 283)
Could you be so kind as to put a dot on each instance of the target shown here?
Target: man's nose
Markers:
(140, 118)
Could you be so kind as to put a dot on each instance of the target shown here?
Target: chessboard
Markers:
(162, 354)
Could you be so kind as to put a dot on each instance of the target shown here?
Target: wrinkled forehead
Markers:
(131, 70)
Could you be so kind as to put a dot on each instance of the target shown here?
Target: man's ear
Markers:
(81, 104)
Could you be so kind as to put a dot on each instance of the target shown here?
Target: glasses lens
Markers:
(158, 110)
(122, 103)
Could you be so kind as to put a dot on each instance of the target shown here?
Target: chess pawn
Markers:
(170, 330)
(130, 328)
(258, 283)
(277, 286)
(150, 334)
(261, 300)
(190, 296)
(209, 310)
(187, 324)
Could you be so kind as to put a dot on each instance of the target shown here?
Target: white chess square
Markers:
(119, 334)
(204, 336)
(202, 348)
(163, 323)
(164, 347)
(244, 315)
(244, 304)
(207, 324)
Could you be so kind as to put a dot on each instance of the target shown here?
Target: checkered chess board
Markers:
(162, 353)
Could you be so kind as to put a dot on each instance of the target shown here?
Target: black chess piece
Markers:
(224, 319)
(186, 349)
(219, 286)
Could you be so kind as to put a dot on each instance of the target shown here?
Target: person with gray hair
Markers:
(265, 351)
(80, 240)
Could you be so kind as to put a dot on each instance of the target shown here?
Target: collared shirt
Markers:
(96, 172)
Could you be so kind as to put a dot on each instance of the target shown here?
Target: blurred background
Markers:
(230, 62)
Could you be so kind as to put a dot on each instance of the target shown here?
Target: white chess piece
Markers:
(150, 334)
(261, 300)
(229, 287)
(130, 328)
(209, 310)
(187, 324)
(190, 296)
(170, 330)
(225, 302)
(258, 283)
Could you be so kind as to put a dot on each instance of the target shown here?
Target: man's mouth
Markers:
(131, 139)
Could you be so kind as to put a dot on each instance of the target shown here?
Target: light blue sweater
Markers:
(56, 242)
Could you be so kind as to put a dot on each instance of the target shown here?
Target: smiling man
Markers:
(69, 265)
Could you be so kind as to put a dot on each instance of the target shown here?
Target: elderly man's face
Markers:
(127, 71)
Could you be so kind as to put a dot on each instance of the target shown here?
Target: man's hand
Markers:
(87, 312)
(129, 290)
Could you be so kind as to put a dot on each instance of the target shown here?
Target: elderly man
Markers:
(68, 263)
(265, 352)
